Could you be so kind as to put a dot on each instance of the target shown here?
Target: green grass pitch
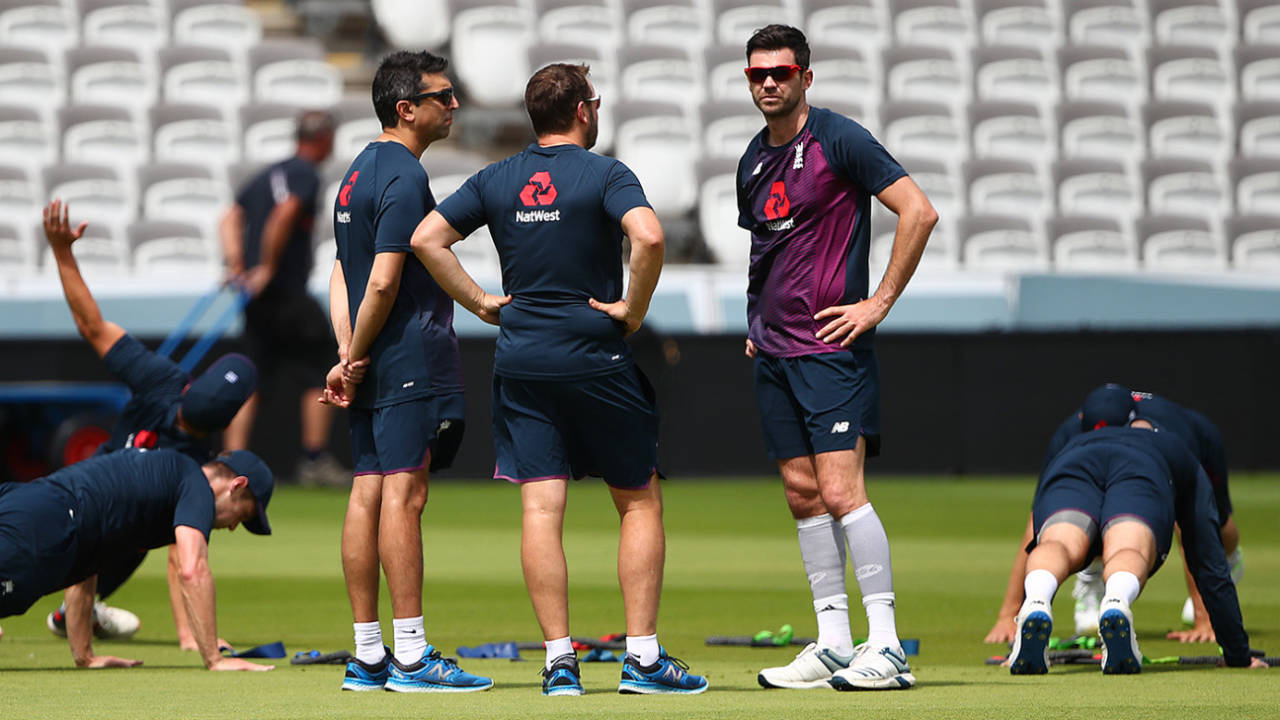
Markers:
(732, 568)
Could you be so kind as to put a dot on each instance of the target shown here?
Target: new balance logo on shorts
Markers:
(840, 427)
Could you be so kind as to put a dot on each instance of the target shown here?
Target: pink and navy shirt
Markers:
(808, 206)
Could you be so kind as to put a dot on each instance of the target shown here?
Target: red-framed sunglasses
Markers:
(779, 73)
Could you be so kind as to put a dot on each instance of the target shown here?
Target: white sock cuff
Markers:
(878, 598)
(816, 521)
(1123, 585)
(367, 627)
(857, 515)
(410, 623)
(1040, 585)
(832, 602)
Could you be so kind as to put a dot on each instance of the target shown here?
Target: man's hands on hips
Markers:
(847, 322)
(490, 307)
(620, 311)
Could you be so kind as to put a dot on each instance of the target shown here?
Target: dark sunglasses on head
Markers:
(779, 73)
(445, 96)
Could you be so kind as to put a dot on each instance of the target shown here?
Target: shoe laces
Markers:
(449, 662)
(677, 662)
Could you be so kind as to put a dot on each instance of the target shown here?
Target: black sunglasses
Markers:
(445, 97)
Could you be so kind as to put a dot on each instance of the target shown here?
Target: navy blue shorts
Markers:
(605, 426)
(37, 544)
(1104, 488)
(819, 403)
(407, 436)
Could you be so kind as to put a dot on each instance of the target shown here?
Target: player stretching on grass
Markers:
(167, 409)
(1117, 492)
(407, 415)
(1113, 405)
(61, 530)
(567, 399)
(804, 192)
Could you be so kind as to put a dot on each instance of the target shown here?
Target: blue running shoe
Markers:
(362, 676)
(433, 673)
(1030, 653)
(563, 677)
(1120, 654)
(667, 675)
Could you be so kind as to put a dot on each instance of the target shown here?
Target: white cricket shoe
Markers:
(875, 668)
(812, 668)
(113, 623)
(1030, 653)
(1088, 596)
(1120, 654)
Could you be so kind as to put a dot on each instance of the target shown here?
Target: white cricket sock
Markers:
(644, 647)
(1040, 585)
(882, 630)
(411, 639)
(1123, 586)
(558, 647)
(368, 642)
(833, 624)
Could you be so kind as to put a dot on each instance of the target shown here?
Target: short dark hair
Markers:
(553, 94)
(779, 37)
(315, 124)
(399, 77)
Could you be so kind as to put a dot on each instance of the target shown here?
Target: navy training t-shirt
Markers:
(554, 214)
(149, 419)
(808, 206)
(259, 197)
(383, 198)
(130, 501)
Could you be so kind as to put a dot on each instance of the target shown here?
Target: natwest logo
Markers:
(539, 191)
(344, 196)
(777, 206)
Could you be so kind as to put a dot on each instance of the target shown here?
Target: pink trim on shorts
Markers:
(426, 460)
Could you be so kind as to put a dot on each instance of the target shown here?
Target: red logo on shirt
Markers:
(344, 197)
(539, 191)
(777, 206)
(143, 439)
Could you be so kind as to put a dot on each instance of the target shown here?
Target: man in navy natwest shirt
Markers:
(568, 400)
(398, 372)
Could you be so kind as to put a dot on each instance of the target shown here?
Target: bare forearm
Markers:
(646, 267)
(449, 274)
(84, 309)
(79, 616)
(370, 318)
(1014, 593)
(275, 235)
(198, 600)
(914, 227)
(231, 236)
(339, 312)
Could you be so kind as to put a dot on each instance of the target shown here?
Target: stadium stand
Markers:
(1054, 135)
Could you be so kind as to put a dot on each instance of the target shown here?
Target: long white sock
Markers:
(411, 639)
(368, 642)
(869, 550)
(1123, 586)
(1040, 585)
(558, 647)
(644, 647)
(822, 548)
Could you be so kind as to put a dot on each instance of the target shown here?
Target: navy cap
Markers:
(216, 395)
(261, 483)
(1108, 406)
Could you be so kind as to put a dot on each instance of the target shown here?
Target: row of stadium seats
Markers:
(988, 243)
